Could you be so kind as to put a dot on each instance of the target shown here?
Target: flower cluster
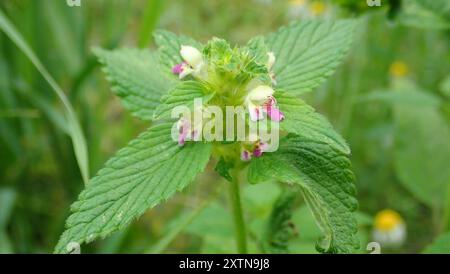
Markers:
(251, 88)
(253, 149)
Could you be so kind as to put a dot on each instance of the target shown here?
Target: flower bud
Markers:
(191, 55)
(260, 93)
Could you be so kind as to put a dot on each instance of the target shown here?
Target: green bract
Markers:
(281, 66)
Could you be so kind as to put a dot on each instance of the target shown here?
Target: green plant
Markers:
(265, 77)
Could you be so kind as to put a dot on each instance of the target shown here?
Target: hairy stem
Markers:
(239, 224)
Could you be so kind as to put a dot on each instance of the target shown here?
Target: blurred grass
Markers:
(38, 166)
(73, 126)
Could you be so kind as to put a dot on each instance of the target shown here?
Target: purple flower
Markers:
(257, 149)
(178, 69)
(193, 63)
(245, 155)
(260, 148)
(260, 100)
(184, 129)
(270, 107)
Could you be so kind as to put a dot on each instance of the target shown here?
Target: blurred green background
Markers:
(390, 100)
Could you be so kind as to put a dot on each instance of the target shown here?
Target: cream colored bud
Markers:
(260, 93)
(191, 55)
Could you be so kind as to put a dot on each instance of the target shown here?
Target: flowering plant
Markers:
(261, 81)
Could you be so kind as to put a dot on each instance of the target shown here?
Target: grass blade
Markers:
(151, 18)
(75, 131)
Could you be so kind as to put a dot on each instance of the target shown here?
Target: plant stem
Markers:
(239, 224)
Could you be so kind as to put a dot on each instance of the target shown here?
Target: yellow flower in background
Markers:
(398, 69)
(309, 9)
(318, 8)
(389, 228)
(387, 220)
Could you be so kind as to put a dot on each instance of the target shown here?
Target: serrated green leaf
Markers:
(308, 52)
(223, 169)
(258, 49)
(326, 180)
(183, 94)
(302, 120)
(280, 228)
(169, 48)
(147, 171)
(136, 78)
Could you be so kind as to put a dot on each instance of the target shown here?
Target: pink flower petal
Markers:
(257, 152)
(275, 114)
(181, 140)
(245, 156)
(178, 69)
(271, 102)
(263, 146)
(260, 149)
(184, 129)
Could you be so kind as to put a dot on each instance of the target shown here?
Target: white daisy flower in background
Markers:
(389, 229)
